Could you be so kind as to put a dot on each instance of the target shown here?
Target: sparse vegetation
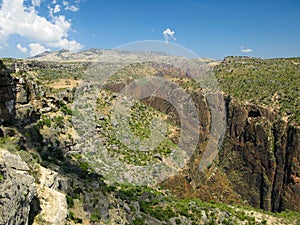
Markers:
(140, 121)
(66, 110)
(273, 83)
(95, 217)
(70, 201)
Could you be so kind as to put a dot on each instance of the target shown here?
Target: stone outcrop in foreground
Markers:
(17, 189)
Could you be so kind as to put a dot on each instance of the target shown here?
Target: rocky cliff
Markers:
(261, 157)
(7, 95)
(260, 153)
(17, 186)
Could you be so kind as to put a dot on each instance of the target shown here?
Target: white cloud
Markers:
(54, 2)
(246, 50)
(56, 9)
(169, 34)
(65, 3)
(36, 49)
(21, 48)
(67, 44)
(15, 18)
(36, 2)
(72, 8)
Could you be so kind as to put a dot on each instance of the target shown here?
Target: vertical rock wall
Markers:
(7, 95)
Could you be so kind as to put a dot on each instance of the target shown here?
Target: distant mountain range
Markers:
(104, 55)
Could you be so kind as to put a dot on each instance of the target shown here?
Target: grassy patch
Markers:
(95, 217)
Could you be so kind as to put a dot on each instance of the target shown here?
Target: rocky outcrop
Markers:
(7, 95)
(17, 189)
(261, 157)
(54, 208)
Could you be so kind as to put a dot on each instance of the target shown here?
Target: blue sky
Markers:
(210, 28)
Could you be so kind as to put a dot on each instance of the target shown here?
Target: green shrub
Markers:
(66, 110)
(59, 121)
(44, 122)
(71, 216)
(138, 221)
(70, 201)
(95, 217)
(84, 166)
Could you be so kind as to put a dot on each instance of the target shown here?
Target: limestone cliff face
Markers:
(17, 189)
(261, 156)
(7, 95)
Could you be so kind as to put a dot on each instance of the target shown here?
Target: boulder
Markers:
(17, 189)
